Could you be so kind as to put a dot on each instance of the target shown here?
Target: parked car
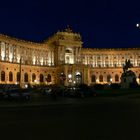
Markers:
(80, 91)
(46, 91)
(17, 94)
(72, 91)
(2, 94)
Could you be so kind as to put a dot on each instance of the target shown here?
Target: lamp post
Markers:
(62, 78)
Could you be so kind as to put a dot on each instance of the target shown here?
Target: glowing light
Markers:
(41, 61)
(97, 80)
(34, 59)
(69, 76)
(26, 86)
(10, 57)
(70, 80)
(78, 73)
(137, 25)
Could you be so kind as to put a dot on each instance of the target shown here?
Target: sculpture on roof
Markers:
(68, 29)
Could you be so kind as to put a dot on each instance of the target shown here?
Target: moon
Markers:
(137, 25)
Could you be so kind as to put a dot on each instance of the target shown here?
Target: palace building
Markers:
(62, 60)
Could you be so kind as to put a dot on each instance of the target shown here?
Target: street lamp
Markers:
(62, 78)
(69, 76)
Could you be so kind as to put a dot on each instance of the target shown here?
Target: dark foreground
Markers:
(102, 119)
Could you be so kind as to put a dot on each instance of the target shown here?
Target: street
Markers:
(100, 119)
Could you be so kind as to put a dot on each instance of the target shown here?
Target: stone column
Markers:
(104, 59)
(119, 60)
(14, 54)
(46, 58)
(80, 55)
(51, 56)
(22, 54)
(0, 50)
(7, 51)
(102, 63)
(109, 60)
(64, 54)
(96, 57)
(3, 51)
(136, 60)
(76, 55)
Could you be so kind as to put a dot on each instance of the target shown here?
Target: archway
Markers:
(10, 76)
(78, 77)
(93, 78)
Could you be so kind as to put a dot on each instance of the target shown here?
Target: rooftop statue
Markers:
(68, 29)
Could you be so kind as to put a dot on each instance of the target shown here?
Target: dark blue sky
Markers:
(102, 23)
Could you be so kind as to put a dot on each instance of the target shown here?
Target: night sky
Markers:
(102, 23)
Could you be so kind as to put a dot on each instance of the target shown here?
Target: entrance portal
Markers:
(78, 78)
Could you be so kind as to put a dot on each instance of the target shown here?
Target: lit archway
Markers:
(101, 78)
(78, 77)
(116, 78)
(108, 78)
(93, 78)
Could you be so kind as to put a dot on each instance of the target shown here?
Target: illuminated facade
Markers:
(62, 60)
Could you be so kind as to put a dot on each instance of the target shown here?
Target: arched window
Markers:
(101, 78)
(18, 76)
(116, 78)
(93, 78)
(2, 76)
(33, 77)
(25, 77)
(41, 78)
(108, 78)
(49, 78)
(10, 76)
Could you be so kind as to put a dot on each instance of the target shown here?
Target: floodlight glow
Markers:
(26, 86)
(69, 76)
